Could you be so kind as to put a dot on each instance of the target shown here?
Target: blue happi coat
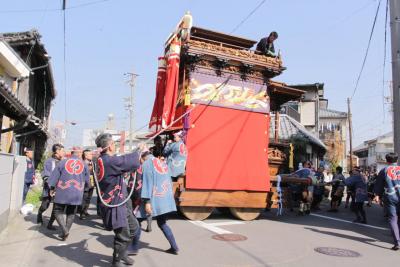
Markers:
(387, 184)
(156, 188)
(69, 179)
(176, 154)
(49, 165)
(30, 171)
(110, 173)
(359, 184)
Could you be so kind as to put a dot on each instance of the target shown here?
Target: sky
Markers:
(320, 40)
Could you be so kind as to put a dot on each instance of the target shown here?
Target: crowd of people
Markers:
(130, 188)
(137, 187)
(360, 187)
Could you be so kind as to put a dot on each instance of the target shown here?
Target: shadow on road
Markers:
(371, 235)
(78, 253)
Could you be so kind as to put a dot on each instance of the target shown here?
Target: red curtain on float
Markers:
(227, 150)
(171, 86)
(155, 119)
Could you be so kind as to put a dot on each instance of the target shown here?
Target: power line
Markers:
(366, 52)
(248, 16)
(35, 10)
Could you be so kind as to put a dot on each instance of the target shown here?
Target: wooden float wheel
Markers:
(196, 213)
(245, 214)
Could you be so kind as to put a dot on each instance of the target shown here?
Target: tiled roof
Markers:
(330, 113)
(20, 38)
(290, 127)
(12, 98)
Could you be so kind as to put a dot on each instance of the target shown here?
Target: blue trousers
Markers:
(26, 189)
(393, 210)
(162, 224)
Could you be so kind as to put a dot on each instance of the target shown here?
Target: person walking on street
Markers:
(338, 185)
(30, 177)
(359, 183)
(87, 157)
(319, 189)
(49, 165)
(176, 154)
(67, 183)
(157, 197)
(387, 189)
(110, 174)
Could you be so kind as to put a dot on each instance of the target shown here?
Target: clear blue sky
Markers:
(320, 40)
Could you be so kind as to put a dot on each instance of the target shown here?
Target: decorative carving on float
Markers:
(235, 52)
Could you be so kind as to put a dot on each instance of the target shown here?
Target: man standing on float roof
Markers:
(110, 174)
(67, 183)
(387, 188)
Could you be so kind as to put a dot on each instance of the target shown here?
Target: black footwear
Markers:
(357, 221)
(39, 218)
(127, 260)
(51, 227)
(64, 237)
(117, 264)
(148, 229)
(132, 252)
(172, 251)
(395, 248)
(364, 221)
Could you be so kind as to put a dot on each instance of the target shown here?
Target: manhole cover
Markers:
(337, 252)
(229, 237)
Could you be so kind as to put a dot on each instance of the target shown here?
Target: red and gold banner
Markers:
(171, 87)
(155, 119)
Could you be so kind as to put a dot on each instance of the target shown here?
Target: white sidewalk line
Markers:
(210, 227)
(226, 223)
(345, 221)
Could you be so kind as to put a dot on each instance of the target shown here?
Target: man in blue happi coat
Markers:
(359, 183)
(387, 189)
(29, 178)
(111, 170)
(49, 165)
(176, 154)
(157, 197)
(67, 183)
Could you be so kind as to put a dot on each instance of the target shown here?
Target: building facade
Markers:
(372, 152)
(26, 99)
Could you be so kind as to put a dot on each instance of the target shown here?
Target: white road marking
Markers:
(61, 245)
(213, 227)
(225, 223)
(345, 221)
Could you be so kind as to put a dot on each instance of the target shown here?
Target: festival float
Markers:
(219, 92)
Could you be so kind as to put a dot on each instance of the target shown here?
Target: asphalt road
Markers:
(287, 240)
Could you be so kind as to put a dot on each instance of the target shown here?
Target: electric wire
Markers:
(248, 16)
(34, 10)
(366, 52)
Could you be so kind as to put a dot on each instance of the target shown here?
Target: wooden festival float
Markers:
(224, 94)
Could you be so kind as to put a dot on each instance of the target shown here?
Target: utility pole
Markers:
(132, 79)
(395, 36)
(350, 133)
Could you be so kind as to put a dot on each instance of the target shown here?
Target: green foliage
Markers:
(300, 149)
(40, 166)
(33, 196)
